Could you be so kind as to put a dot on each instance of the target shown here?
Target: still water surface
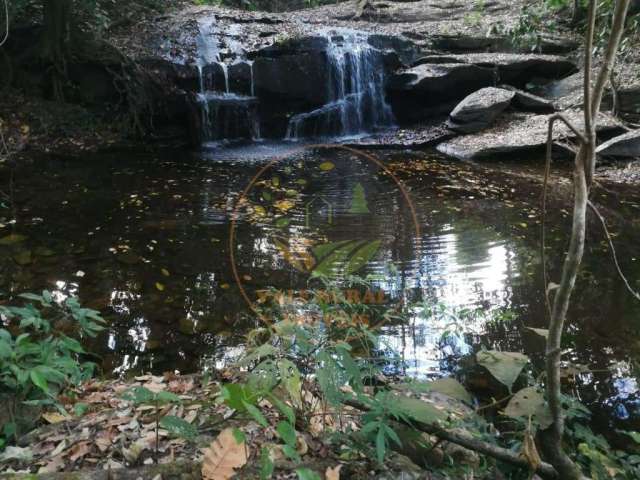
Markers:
(145, 240)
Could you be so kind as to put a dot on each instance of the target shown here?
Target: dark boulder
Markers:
(479, 110)
(431, 89)
(623, 146)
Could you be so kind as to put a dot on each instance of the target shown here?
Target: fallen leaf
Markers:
(224, 456)
(333, 473)
(326, 166)
(54, 417)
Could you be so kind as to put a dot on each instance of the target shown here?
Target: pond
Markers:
(144, 238)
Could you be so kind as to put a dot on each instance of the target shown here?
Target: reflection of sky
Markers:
(456, 285)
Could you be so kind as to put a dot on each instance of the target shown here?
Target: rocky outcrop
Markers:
(430, 89)
(501, 43)
(435, 83)
(478, 110)
(622, 146)
(518, 133)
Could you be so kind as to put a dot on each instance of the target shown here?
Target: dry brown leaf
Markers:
(54, 417)
(333, 473)
(79, 450)
(530, 452)
(223, 457)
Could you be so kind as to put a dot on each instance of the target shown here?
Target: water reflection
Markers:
(145, 240)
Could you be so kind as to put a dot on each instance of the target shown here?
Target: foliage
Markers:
(37, 358)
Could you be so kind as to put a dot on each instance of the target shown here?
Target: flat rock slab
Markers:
(517, 133)
(624, 146)
(479, 110)
(405, 138)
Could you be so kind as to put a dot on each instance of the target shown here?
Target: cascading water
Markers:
(355, 90)
(226, 115)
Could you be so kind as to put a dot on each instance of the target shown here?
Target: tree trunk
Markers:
(55, 42)
(585, 161)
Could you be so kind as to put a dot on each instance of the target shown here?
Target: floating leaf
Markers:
(164, 272)
(282, 222)
(12, 239)
(259, 210)
(504, 366)
(275, 181)
(267, 196)
(178, 427)
(529, 402)
(159, 286)
(326, 166)
(23, 257)
(284, 205)
(224, 456)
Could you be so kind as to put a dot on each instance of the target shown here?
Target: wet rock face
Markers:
(622, 146)
(437, 81)
(428, 89)
(478, 110)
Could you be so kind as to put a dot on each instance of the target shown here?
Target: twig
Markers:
(613, 251)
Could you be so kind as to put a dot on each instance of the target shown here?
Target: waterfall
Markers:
(225, 114)
(355, 90)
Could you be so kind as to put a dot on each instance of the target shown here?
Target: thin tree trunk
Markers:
(585, 162)
(55, 41)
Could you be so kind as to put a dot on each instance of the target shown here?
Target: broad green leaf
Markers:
(39, 380)
(167, 397)
(258, 353)
(381, 445)
(337, 257)
(307, 474)
(255, 413)
(292, 453)
(178, 427)
(447, 386)
(234, 394)
(419, 410)
(529, 402)
(139, 395)
(287, 433)
(290, 376)
(504, 366)
(285, 409)
(361, 256)
(266, 464)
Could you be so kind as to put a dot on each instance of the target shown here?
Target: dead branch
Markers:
(545, 470)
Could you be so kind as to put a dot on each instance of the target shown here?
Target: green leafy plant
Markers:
(173, 424)
(40, 352)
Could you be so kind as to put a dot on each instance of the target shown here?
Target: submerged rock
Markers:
(625, 146)
(479, 110)
(518, 133)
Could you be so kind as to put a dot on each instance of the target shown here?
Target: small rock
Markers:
(478, 110)
(625, 146)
